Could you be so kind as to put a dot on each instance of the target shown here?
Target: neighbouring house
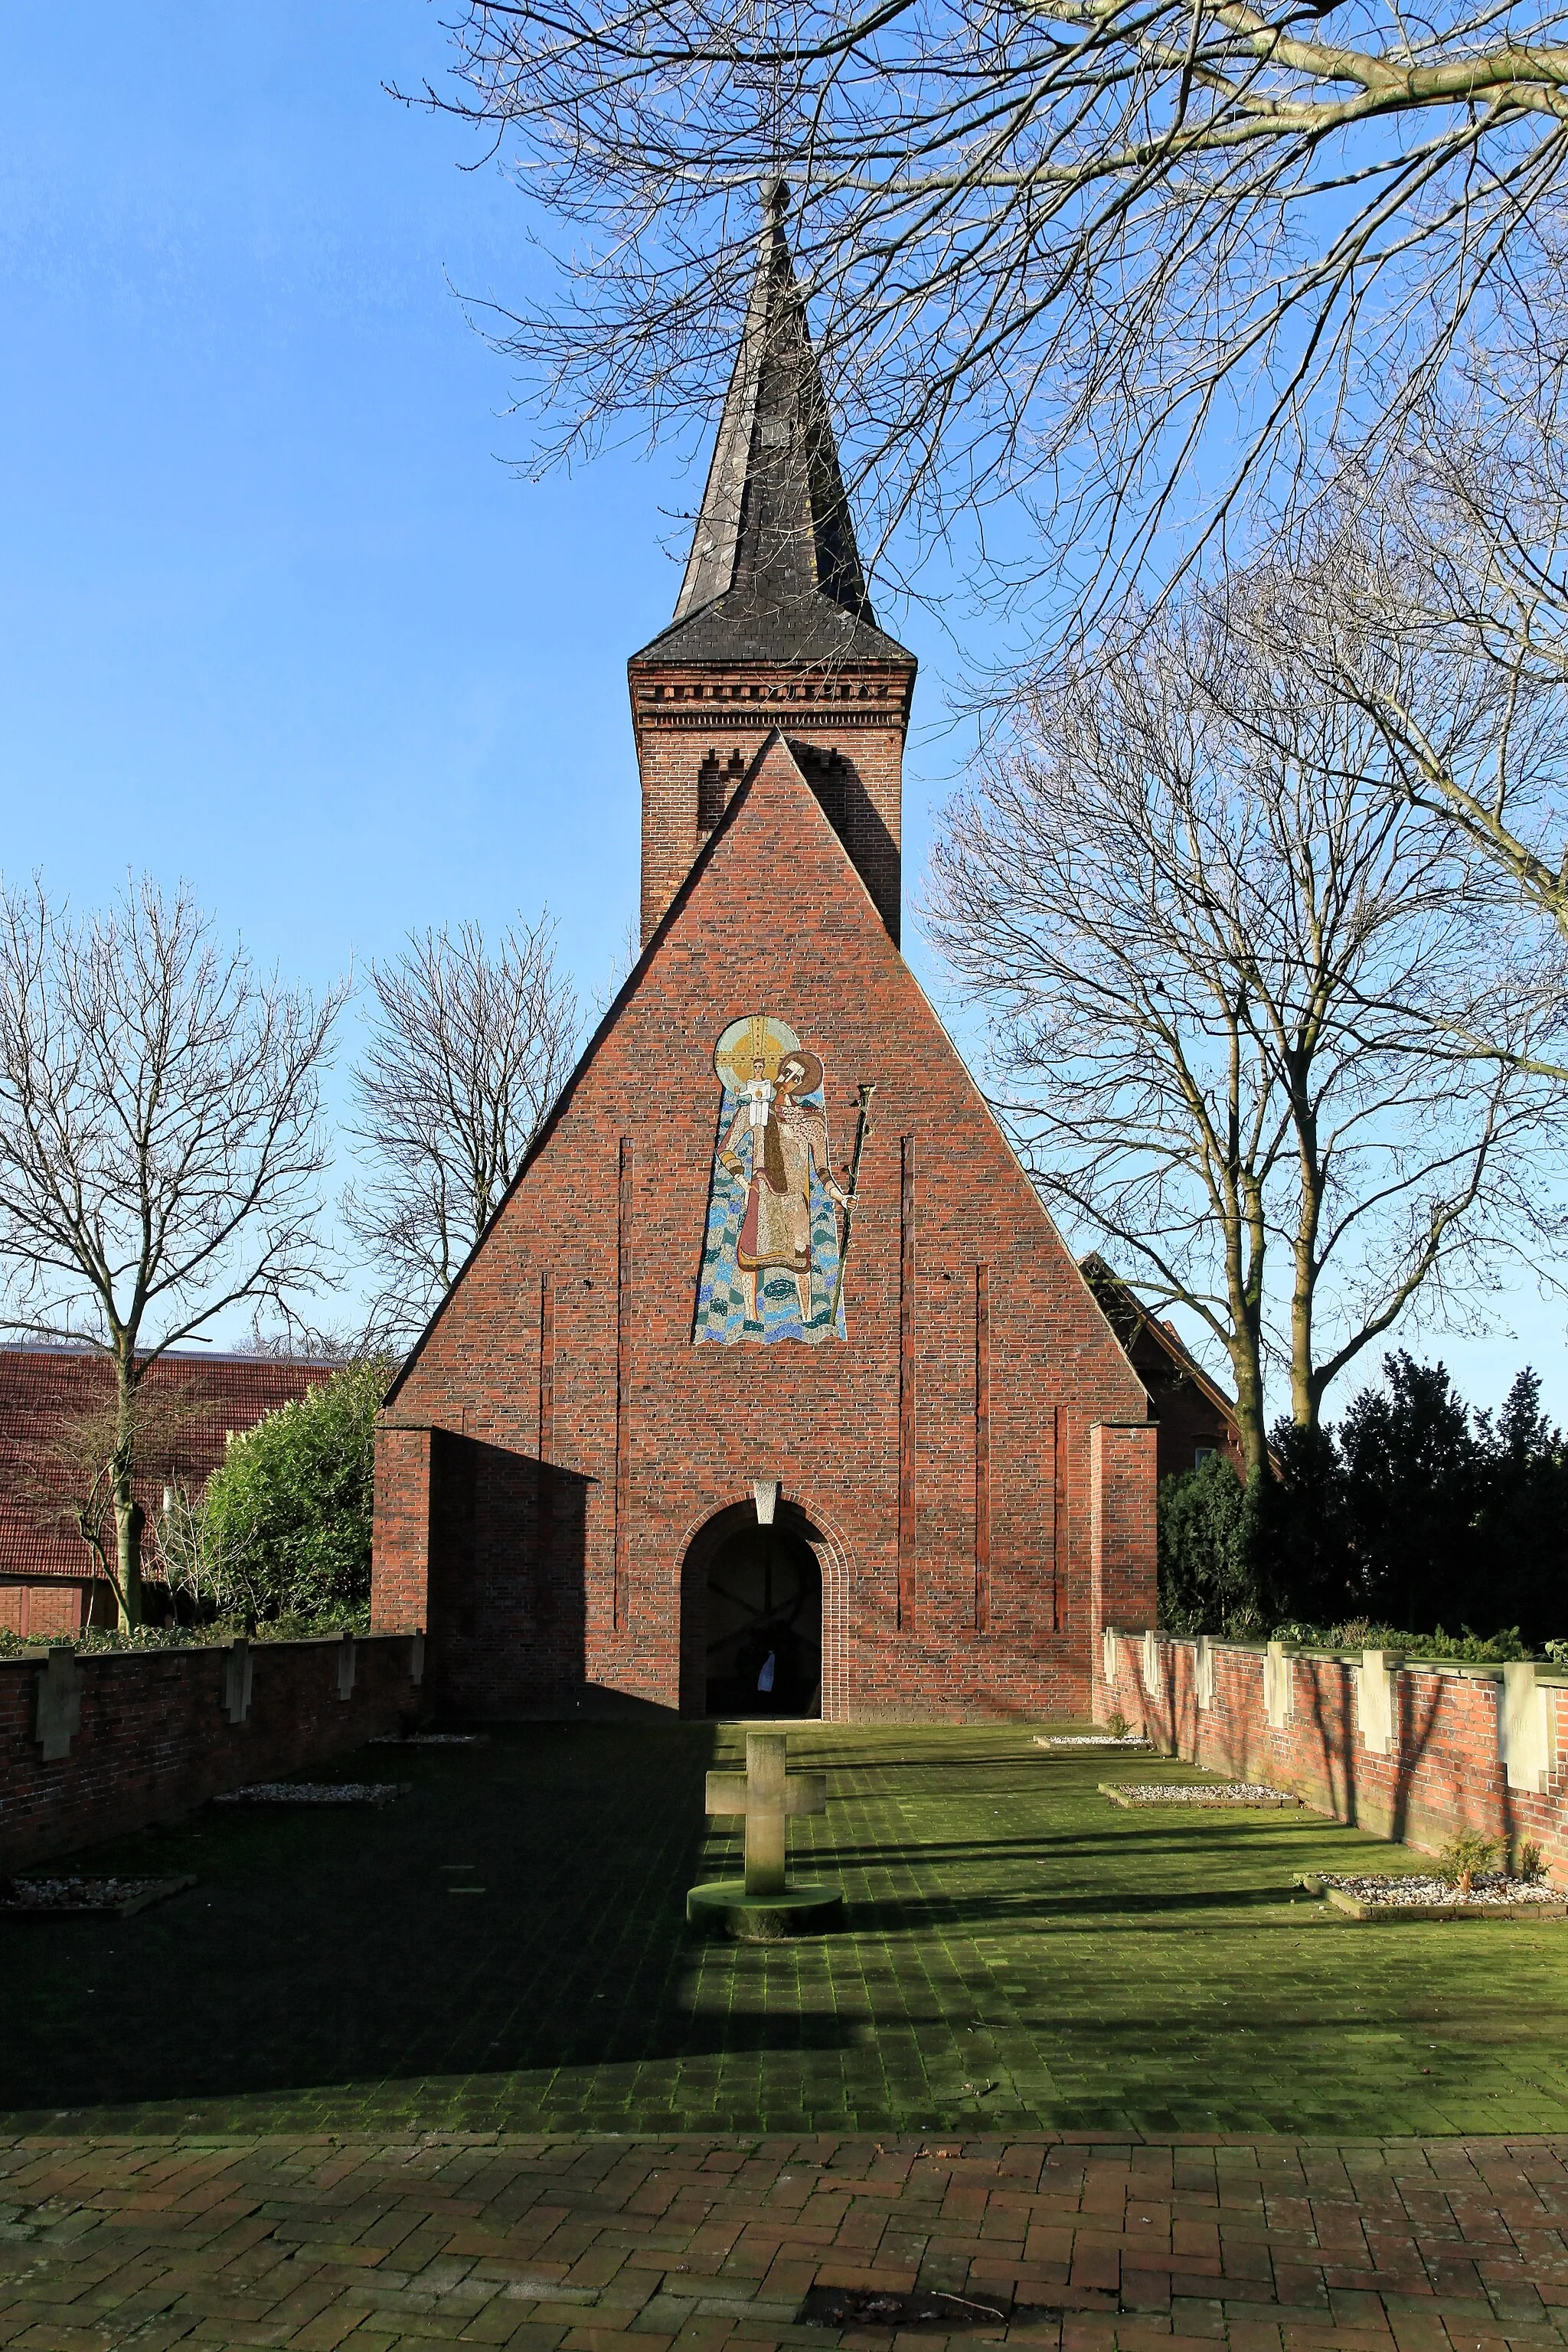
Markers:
(1195, 1416)
(46, 1581)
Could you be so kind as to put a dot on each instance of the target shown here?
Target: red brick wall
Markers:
(1122, 1512)
(155, 1738)
(400, 1534)
(1189, 1422)
(555, 1589)
(1188, 1418)
(1444, 1771)
(683, 715)
(41, 1608)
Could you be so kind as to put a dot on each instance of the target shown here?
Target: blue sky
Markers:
(276, 613)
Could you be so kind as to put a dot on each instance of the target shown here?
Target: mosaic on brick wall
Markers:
(777, 1216)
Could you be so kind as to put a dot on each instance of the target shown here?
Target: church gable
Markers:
(773, 954)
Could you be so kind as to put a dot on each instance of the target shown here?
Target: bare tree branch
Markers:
(1461, 544)
(468, 1052)
(1118, 258)
(1219, 955)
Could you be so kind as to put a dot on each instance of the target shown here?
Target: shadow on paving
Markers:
(1103, 1911)
(506, 1948)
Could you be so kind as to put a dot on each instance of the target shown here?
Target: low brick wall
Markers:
(1416, 1752)
(96, 1745)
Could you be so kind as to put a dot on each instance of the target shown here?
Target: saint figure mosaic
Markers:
(771, 1260)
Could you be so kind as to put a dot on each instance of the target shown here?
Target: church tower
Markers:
(773, 628)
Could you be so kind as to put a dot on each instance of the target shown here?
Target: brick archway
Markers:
(703, 1541)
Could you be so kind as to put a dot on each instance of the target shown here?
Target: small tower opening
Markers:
(710, 793)
(716, 783)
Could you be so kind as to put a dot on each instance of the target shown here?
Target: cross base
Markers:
(725, 1906)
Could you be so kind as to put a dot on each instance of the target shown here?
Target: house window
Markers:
(1202, 1454)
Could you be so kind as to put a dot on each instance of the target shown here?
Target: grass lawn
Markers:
(1019, 1955)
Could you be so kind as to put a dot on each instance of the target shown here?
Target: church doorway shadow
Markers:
(751, 1620)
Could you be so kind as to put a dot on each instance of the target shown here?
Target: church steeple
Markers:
(775, 535)
(773, 627)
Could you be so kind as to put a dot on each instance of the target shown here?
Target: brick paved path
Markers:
(595, 2244)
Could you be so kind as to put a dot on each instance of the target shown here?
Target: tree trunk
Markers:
(130, 1518)
(1247, 1240)
(1305, 1394)
(1249, 1410)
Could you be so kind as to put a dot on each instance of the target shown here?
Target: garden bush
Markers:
(345, 1618)
(1359, 1633)
(286, 1522)
(1208, 1552)
(1467, 1858)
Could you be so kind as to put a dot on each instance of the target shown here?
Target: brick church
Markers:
(770, 1389)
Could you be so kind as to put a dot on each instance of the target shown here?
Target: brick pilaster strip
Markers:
(983, 1449)
(1051, 1432)
(546, 1440)
(907, 1381)
(623, 1381)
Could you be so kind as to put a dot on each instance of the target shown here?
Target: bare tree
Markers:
(1460, 546)
(1122, 258)
(1218, 955)
(468, 1050)
(160, 1147)
(70, 1481)
(192, 1565)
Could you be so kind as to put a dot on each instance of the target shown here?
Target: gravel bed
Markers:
(32, 1896)
(316, 1792)
(1090, 1740)
(1191, 1793)
(1403, 1889)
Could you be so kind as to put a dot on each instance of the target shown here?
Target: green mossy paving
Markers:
(1019, 1955)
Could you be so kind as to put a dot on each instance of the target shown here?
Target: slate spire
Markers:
(775, 543)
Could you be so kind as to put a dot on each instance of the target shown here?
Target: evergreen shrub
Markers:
(286, 1515)
(1208, 1552)
(1412, 1512)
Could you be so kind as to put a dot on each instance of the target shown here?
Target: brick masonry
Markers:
(154, 1737)
(35, 1610)
(556, 1422)
(1421, 1758)
(698, 729)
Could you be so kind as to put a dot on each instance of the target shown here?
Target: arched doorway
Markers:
(763, 1623)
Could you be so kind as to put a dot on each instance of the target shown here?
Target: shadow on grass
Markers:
(1193, 1847)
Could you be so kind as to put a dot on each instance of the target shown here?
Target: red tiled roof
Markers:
(40, 1387)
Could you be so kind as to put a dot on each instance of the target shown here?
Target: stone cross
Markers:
(237, 1674)
(767, 1792)
(57, 1717)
